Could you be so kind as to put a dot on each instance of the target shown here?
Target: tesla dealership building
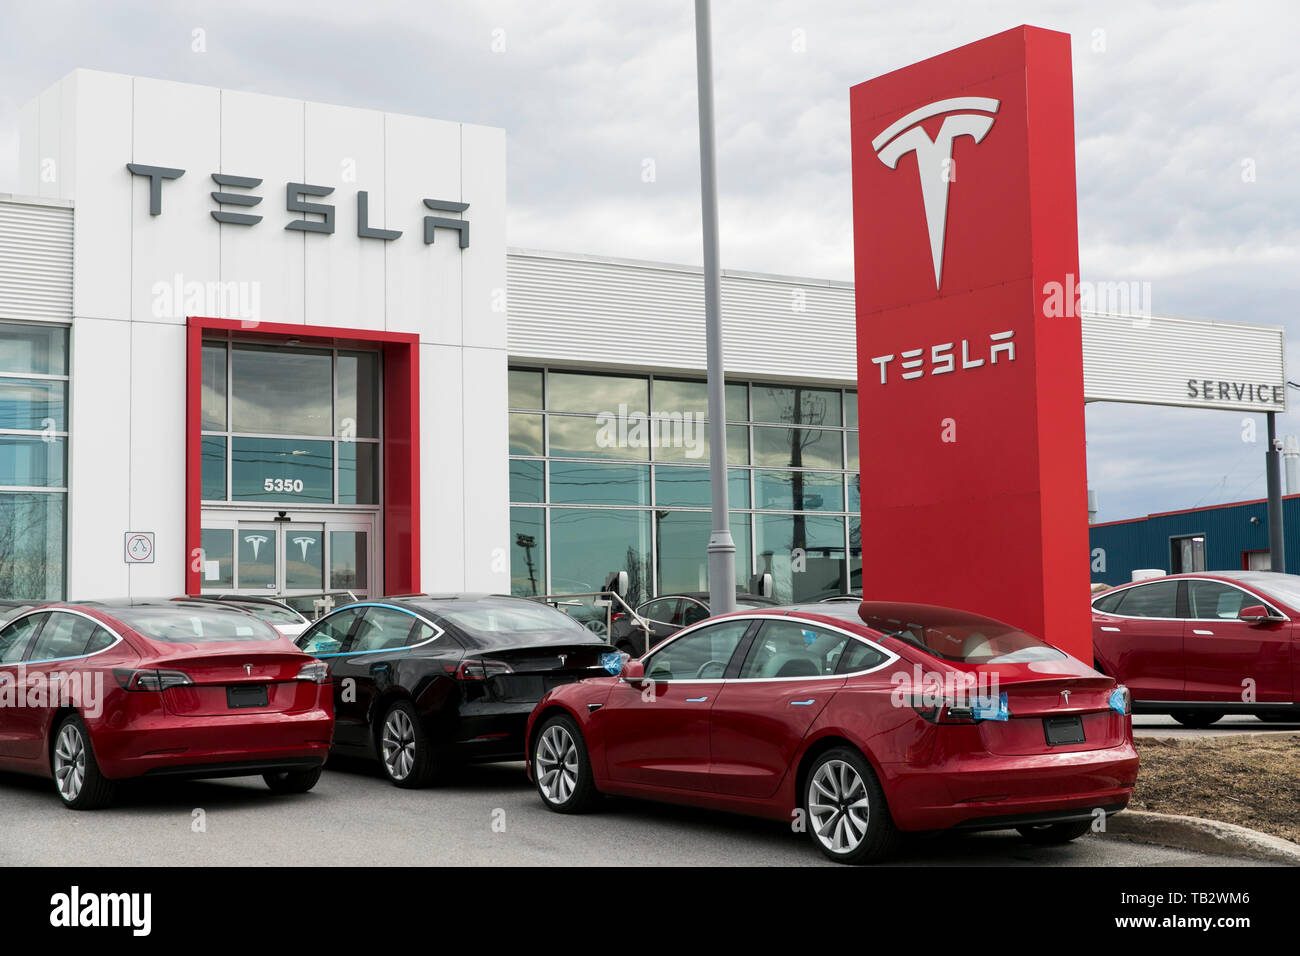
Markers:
(258, 344)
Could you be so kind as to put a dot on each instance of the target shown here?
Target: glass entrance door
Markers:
(298, 555)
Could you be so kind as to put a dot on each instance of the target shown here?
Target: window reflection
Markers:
(816, 570)
(213, 387)
(683, 537)
(279, 391)
(588, 544)
(589, 483)
(33, 404)
(527, 551)
(796, 405)
(584, 392)
(31, 546)
(525, 434)
(525, 388)
(798, 491)
(797, 447)
(358, 395)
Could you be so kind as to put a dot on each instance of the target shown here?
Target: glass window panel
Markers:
(851, 409)
(33, 404)
(594, 438)
(527, 551)
(32, 461)
(304, 559)
(218, 570)
(525, 434)
(591, 483)
(814, 571)
(349, 560)
(798, 448)
(855, 555)
(214, 388)
(793, 649)
(855, 493)
(851, 438)
(582, 392)
(329, 635)
(358, 473)
(280, 391)
(382, 629)
(587, 545)
(257, 558)
(526, 481)
(796, 405)
(798, 491)
(737, 402)
(680, 487)
(31, 546)
(691, 444)
(358, 395)
(42, 349)
(683, 556)
(282, 469)
(212, 459)
(525, 388)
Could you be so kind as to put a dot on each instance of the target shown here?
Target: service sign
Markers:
(970, 392)
(1190, 363)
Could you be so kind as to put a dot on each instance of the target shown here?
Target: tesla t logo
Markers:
(1065, 698)
(248, 669)
(256, 540)
(563, 658)
(934, 156)
(304, 542)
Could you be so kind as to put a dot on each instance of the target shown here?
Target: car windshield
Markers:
(491, 620)
(194, 625)
(955, 636)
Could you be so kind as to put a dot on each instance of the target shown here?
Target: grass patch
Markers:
(1250, 780)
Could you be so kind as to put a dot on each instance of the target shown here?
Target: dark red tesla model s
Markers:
(93, 693)
(853, 722)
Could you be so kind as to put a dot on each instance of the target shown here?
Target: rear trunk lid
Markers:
(234, 679)
(525, 674)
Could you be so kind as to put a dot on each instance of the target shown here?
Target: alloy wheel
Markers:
(838, 806)
(398, 744)
(69, 762)
(557, 764)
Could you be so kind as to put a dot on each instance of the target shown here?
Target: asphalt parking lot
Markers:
(1158, 725)
(489, 816)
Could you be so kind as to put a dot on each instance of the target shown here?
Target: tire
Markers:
(1278, 717)
(1054, 834)
(405, 751)
(77, 777)
(845, 811)
(1196, 719)
(292, 781)
(562, 768)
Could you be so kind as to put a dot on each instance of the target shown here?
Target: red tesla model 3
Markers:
(852, 722)
(93, 693)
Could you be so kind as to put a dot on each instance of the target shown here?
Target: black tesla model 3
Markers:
(426, 682)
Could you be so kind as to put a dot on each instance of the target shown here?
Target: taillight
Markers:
(318, 672)
(946, 713)
(482, 670)
(151, 680)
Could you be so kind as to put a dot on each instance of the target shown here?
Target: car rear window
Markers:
(193, 625)
(271, 613)
(962, 637)
(494, 620)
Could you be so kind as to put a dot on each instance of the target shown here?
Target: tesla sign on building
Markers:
(973, 491)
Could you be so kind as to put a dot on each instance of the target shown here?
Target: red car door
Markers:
(658, 735)
(1230, 660)
(15, 723)
(1137, 635)
(760, 718)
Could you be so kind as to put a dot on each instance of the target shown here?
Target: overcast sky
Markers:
(1171, 99)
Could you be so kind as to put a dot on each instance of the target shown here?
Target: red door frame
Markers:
(400, 352)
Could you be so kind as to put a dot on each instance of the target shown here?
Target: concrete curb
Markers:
(1201, 836)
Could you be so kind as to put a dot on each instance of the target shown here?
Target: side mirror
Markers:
(1256, 614)
(633, 673)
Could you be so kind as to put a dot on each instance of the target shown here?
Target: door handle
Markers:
(696, 700)
(803, 703)
(1197, 630)
(1105, 628)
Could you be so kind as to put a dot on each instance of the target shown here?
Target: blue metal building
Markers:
(1217, 538)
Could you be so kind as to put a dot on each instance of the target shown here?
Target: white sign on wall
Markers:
(138, 547)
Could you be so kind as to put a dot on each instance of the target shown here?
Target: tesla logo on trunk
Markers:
(248, 669)
(934, 156)
(563, 658)
(1065, 698)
